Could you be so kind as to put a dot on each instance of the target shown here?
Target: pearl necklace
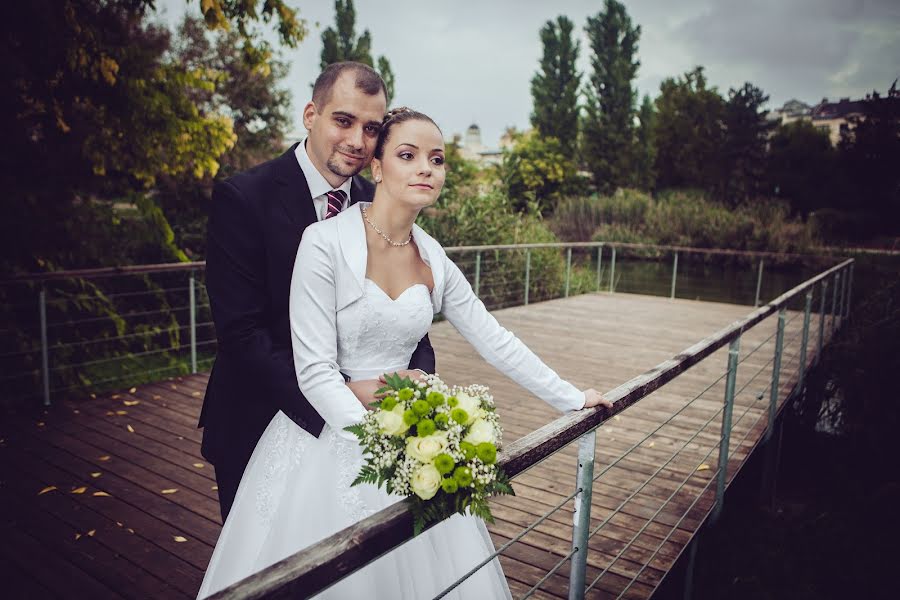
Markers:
(383, 234)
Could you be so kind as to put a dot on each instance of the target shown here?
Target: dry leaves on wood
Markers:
(96, 474)
(199, 465)
(180, 539)
(101, 494)
(103, 458)
(129, 428)
(79, 490)
(703, 467)
(169, 491)
(132, 390)
(131, 402)
(49, 488)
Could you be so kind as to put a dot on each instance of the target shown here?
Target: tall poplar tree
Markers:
(645, 146)
(554, 88)
(609, 121)
(341, 43)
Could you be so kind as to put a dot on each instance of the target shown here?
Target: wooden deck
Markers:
(109, 497)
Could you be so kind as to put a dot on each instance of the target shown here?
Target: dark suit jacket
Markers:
(255, 225)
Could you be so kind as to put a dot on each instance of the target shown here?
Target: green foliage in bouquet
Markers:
(436, 445)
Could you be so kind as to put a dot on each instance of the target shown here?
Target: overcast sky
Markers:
(471, 61)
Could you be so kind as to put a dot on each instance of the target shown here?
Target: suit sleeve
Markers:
(423, 357)
(235, 278)
(313, 314)
(499, 347)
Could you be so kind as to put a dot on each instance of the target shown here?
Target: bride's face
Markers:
(411, 167)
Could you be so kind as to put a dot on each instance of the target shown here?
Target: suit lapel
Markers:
(294, 191)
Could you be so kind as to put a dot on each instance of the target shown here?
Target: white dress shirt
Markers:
(329, 275)
(318, 185)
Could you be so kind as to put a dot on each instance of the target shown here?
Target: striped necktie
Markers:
(336, 200)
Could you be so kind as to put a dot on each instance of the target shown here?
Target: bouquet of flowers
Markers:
(436, 444)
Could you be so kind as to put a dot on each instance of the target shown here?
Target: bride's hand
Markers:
(593, 398)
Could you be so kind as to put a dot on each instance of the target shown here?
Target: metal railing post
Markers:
(612, 270)
(725, 440)
(804, 339)
(527, 273)
(821, 321)
(759, 282)
(674, 275)
(849, 291)
(582, 525)
(45, 356)
(477, 272)
(193, 301)
(568, 269)
(689, 572)
(773, 447)
(834, 297)
(599, 263)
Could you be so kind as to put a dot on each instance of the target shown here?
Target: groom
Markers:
(255, 225)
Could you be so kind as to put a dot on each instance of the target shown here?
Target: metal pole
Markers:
(805, 339)
(772, 448)
(477, 272)
(45, 358)
(674, 275)
(843, 296)
(568, 269)
(599, 263)
(527, 273)
(758, 282)
(849, 290)
(612, 270)
(725, 440)
(689, 574)
(822, 321)
(582, 525)
(834, 297)
(193, 301)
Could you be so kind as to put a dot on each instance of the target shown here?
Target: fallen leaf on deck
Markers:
(703, 467)
(103, 458)
(101, 494)
(49, 488)
(96, 474)
(180, 539)
(651, 444)
(131, 402)
(110, 413)
(155, 397)
(118, 523)
(173, 386)
(91, 532)
(40, 424)
(195, 394)
(76, 411)
(121, 412)
(215, 488)
(79, 490)
(129, 428)
(116, 396)
(617, 418)
(77, 535)
(199, 465)
(93, 395)
(132, 390)
(130, 530)
(169, 491)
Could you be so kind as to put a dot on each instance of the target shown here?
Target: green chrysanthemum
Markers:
(435, 399)
(459, 415)
(452, 401)
(487, 452)
(410, 417)
(449, 485)
(426, 427)
(388, 403)
(444, 463)
(463, 476)
(441, 420)
(405, 394)
(467, 449)
(421, 407)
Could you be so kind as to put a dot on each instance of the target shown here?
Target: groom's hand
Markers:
(364, 390)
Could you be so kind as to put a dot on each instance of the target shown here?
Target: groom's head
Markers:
(343, 119)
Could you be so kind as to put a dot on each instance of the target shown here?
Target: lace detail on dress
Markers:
(349, 462)
(284, 448)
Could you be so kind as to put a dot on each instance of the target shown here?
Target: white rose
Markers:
(425, 481)
(424, 449)
(390, 422)
(471, 405)
(481, 431)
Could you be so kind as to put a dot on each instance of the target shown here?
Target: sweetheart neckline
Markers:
(388, 296)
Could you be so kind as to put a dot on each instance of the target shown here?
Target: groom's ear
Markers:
(309, 114)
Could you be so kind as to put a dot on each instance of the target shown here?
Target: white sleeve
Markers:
(497, 345)
(313, 319)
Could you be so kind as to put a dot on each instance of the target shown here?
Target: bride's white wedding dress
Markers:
(296, 488)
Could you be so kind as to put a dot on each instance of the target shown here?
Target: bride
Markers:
(365, 287)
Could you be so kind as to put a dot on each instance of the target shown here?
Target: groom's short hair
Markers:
(367, 80)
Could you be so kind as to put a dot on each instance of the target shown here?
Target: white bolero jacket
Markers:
(329, 274)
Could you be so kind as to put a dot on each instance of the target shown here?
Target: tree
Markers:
(645, 147)
(688, 131)
(743, 156)
(341, 43)
(536, 170)
(801, 163)
(554, 88)
(609, 122)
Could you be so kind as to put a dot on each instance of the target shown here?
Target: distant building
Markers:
(471, 148)
(836, 118)
(793, 110)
